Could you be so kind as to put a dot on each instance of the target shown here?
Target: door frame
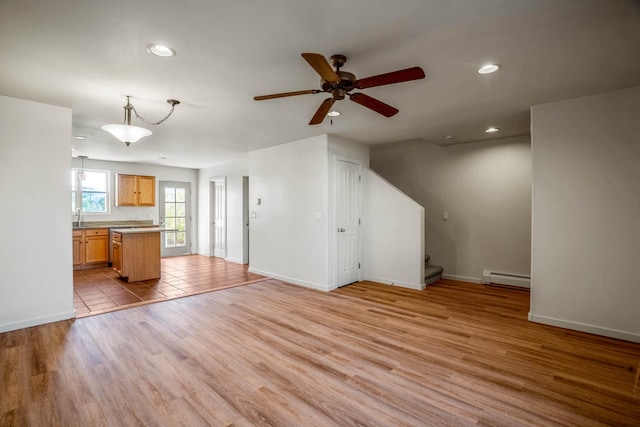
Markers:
(188, 218)
(245, 220)
(212, 214)
(359, 195)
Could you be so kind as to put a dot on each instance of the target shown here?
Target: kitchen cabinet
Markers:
(90, 248)
(135, 190)
(136, 253)
(116, 244)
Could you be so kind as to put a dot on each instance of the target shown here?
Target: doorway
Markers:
(348, 222)
(218, 215)
(175, 213)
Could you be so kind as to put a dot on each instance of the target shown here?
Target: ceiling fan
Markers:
(340, 83)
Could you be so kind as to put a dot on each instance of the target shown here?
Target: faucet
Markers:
(79, 220)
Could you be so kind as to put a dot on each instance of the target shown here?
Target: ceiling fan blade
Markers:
(282, 95)
(373, 104)
(322, 66)
(408, 74)
(324, 108)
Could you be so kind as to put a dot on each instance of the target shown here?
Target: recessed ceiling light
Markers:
(491, 130)
(73, 148)
(80, 137)
(162, 158)
(488, 69)
(449, 137)
(161, 51)
(333, 113)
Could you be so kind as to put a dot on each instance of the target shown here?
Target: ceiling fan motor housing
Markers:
(339, 90)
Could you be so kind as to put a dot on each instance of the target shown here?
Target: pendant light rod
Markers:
(83, 176)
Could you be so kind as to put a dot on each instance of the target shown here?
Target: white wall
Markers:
(134, 213)
(162, 173)
(586, 214)
(486, 189)
(35, 250)
(392, 235)
(286, 242)
(234, 172)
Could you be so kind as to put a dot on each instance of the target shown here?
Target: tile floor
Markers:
(100, 290)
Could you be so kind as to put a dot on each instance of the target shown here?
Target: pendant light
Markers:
(82, 175)
(129, 134)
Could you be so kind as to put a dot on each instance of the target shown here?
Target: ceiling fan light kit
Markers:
(340, 83)
(128, 133)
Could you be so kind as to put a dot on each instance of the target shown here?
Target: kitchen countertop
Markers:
(138, 230)
(113, 224)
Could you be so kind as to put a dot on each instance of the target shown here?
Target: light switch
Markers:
(445, 215)
(317, 216)
(253, 214)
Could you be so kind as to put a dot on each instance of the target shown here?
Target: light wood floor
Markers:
(270, 353)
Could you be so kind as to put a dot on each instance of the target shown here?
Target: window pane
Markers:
(170, 223)
(169, 194)
(94, 202)
(169, 239)
(180, 208)
(169, 209)
(180, 195)
(181, 239)
(180, 224)
(95, 181)
(91, 194)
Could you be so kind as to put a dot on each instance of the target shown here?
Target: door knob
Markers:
(341, 230)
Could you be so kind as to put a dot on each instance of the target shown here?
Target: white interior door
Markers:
(348, 222)
(219, 217)
(175, 214)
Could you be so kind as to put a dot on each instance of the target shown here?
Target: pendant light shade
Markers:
(129, 134)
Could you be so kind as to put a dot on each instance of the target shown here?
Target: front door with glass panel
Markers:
(174, 214)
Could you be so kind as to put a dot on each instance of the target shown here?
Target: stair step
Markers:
(432, 273)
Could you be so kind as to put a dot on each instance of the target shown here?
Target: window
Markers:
(91, 194)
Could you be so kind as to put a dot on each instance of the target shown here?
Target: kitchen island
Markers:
(136, 252)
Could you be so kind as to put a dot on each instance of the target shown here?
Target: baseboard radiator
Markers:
(494, 277)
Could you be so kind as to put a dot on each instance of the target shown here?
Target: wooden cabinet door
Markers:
(146, 191)
(78, 247)
(126, 190)
(96, 246)
(117, 256)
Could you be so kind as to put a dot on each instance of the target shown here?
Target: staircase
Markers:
(432, 273)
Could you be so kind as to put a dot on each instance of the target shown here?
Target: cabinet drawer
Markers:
(96, 232)
(116, 237)
(77, 233)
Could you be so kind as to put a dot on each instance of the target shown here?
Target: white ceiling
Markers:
(87, 55)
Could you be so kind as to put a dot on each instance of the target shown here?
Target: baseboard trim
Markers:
(462, 278)
(235, 260)
(293, 281)
(583, 327)
(37, 322)
(416, 286)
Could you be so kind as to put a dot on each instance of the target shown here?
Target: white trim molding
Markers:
(416, 286)
(462, 278)
(37, 322)
(583, 327)
(303, 283)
